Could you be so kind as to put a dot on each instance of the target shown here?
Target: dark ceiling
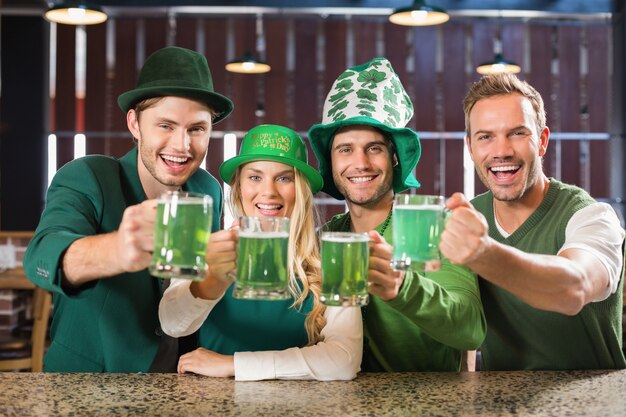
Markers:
(554, 6)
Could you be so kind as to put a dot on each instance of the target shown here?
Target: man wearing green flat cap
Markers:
(95, 238)
(415, 321)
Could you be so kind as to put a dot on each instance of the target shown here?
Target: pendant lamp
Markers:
(499, 65)
(419, 14)
(75, 13)
(248, 64)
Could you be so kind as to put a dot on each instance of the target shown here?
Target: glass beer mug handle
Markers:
(445, 214)
(435, 265)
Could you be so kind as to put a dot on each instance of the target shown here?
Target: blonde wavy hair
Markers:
(304, 252)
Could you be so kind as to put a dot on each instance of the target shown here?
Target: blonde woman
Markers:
(299, 338)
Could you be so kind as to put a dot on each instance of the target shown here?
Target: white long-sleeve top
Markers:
(597, 230)
(336, 357)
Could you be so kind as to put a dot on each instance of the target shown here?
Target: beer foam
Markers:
(263, 235)
(346, 238)
(187, 201)
(432, 207)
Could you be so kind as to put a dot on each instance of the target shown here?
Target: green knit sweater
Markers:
(522, 337)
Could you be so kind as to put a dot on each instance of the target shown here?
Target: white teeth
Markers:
(268, 206)
(507, 168)
(361, 179)
(174, 158)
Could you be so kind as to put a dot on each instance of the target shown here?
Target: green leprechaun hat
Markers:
(370, 94)
(273, 143)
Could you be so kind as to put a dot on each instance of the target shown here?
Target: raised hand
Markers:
(465, 237)
(383, 281)
(135, 236)
(221, 256)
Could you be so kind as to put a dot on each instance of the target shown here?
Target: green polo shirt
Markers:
(435, 317)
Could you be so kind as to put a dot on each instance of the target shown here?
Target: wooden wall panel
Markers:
(186, 29)
(425, 85)
(569, 100)
(454, 87)
(305, 78)
(483, 36)
(244, 86)
(65, 102)
(275, 97)
(155, 32)
(125, 75)
(513, 38)
(598, 99)
(334, 53)
(540, 77)
(215, 51)
(364, 41)
(98, 107)
(483, 33)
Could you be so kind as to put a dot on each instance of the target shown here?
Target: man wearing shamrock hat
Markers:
(94, 242)
(414, 321)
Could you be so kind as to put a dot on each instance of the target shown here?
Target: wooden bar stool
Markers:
(26, 353)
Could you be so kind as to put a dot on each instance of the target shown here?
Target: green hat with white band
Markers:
(370, 94)
(273, 143)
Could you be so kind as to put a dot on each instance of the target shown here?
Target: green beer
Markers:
(417, 225)
(262, 256)
(345, 264)
(181, 234)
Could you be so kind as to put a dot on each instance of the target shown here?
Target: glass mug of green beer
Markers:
(181, 234)
(345, 264)
(262, 258)
(418, 221)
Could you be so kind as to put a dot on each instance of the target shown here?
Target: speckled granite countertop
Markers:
(579, 393)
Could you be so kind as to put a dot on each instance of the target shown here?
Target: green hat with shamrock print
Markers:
(370, 94)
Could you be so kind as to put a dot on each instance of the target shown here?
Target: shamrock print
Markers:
(370, 78)
(366, 95)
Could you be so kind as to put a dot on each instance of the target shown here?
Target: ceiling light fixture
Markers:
(75, 13)
(419, 14)
(499, 65)
(248, 64)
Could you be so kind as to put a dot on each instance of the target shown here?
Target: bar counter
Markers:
(571, 393)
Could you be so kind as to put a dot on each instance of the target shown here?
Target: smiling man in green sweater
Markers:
(549, 257)
(414, 321)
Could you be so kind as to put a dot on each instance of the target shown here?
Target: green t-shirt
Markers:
(236, 325)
